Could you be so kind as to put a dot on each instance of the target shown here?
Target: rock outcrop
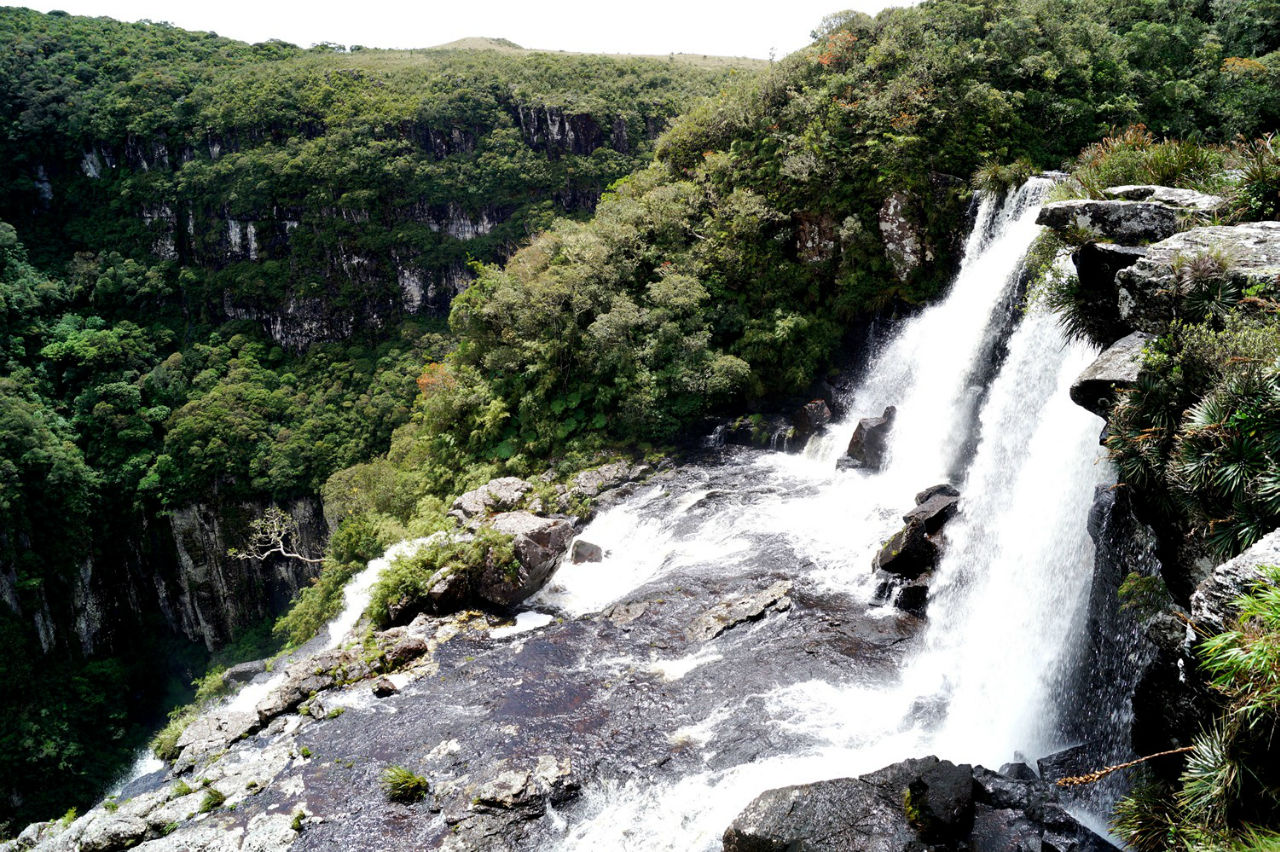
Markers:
(725, 616)
(539, 543)
(1114, 370)
(913, 806)
(1186, 199)
(1129, 223)
(1150, 294)
(871, 439)
(1213, 604)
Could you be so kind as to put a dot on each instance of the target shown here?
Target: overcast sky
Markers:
(719, 27)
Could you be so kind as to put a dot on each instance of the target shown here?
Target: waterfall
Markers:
(985, 681)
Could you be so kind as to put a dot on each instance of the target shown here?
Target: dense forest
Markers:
(222, 260)
(222, 269)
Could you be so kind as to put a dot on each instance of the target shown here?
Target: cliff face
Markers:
(177, 567)
(324, 265)
(1155, 585)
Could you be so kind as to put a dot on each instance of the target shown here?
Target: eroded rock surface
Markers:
(912, 806)
(1213, 604)
(1114, 370)
(1129, 223)
(1149, 292)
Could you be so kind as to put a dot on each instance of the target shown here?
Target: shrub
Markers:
(404, 586)
(1259, 195)
(403, 786)
(997, 178)
(1224, 798)
(212, 801)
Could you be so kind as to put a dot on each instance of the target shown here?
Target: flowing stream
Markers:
(984, 682)
(671, 733)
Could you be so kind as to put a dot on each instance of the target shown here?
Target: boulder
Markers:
(407, 650)
(1213, 603)
(1097, 265)
(1185, 199)
(913, 805)
(810, 419)
(585, 551)
(525, 784)
(539, 543)
(383, 687)
(113, 833)
(496, 495)
(1148, 292)
(724, 616)
(941, 490)
(939, 802)
(1115, 369)
(912, 597)
(244, 672)
(871, 439)
(1129, 223)
(909, 553)
(934, 512)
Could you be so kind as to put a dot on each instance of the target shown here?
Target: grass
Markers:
(404, 786)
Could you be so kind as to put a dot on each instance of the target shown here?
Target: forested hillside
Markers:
(221, 271)
(231, 252)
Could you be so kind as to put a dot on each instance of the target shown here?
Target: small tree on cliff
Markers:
(275, 532)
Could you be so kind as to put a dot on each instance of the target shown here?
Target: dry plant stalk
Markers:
(1098, 775)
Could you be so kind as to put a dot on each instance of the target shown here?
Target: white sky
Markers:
(714, 27)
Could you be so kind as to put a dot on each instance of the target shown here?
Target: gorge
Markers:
(799, 466)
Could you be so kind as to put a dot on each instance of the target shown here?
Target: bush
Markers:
(403, 786)
(1224, 798)
(404, 586)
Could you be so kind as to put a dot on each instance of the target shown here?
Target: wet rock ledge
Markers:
(918, 805)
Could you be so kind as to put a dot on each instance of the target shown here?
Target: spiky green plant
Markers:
(1225, 798)
(404, 786)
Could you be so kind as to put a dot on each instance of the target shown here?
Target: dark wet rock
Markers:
(539, 544)
(585, 551)
(383, 687)
(941, 490)
(909, 553)
(407, 650)
(765, 431)
(725, 616)
(1149, 293)
(912, 597)
(1213, 604)
(1186, 199)
(910, 807)
(1114, 370)
(939, 803)
(871, 439)
(1069, 762)
(1018, 771)
(812, 418)
(934, 512)
(1127, 222)
(1097, 265)
(244, 672)
(496, 495)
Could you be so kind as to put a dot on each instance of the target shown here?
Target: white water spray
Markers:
(1007, 597)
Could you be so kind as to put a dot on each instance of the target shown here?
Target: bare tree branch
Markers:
(275, 532)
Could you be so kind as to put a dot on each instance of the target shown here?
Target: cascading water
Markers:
(1007, 598)
(666, 729)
